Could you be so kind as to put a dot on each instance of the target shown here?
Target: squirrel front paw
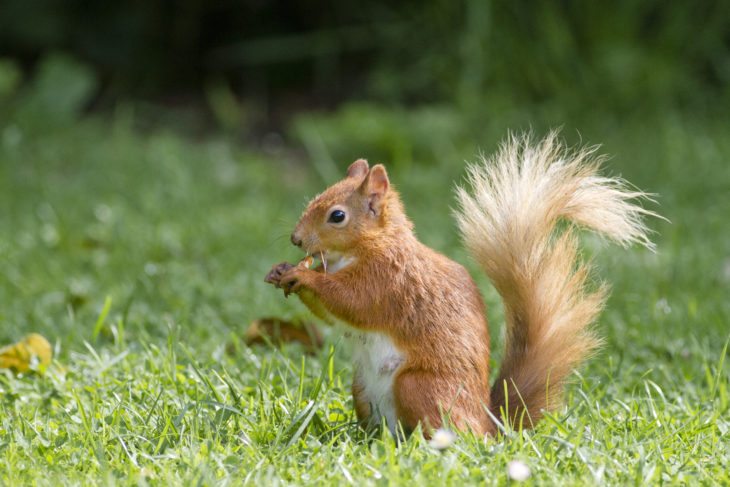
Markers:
(274, 275)
(286, 276)
(291, 280)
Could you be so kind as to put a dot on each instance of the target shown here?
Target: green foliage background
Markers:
(627, 52)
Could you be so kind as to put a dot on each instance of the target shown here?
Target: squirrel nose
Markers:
(296, 240)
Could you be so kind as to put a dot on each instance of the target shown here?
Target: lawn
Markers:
(140, 254)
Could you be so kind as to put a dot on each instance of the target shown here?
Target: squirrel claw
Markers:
(290, 281)
(290, 285)
(274, 275)
(284, 276)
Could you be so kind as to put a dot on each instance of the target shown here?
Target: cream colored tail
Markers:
(508, 220)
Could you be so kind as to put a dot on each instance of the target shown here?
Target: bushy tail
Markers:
(509, 222)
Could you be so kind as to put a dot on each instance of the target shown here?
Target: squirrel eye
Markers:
(337, 216)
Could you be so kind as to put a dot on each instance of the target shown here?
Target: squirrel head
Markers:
(361, 208)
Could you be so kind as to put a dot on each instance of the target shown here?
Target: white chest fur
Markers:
(376, 360)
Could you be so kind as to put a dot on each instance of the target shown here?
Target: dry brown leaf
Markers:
(278, 331)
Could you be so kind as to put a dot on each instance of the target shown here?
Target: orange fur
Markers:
(385, 282)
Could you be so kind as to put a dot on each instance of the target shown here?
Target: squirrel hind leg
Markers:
(421, 398)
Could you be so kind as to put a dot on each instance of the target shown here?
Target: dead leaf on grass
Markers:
(21, 356)
(278, 331)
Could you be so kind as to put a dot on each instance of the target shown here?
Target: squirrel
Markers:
(418, 321)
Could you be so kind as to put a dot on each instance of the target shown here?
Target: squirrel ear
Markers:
(358, 169)
(375, 187)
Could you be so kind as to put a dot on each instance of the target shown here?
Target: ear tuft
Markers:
(358, 169)
(378, 180)
(375, 187)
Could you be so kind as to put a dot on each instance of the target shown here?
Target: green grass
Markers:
(175, 236)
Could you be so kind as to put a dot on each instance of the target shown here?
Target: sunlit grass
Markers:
(141, 258)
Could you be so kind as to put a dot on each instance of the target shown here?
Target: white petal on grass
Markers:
(518, 470)
(442, 439)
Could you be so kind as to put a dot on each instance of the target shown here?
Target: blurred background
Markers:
(250, 67)
(159, 152)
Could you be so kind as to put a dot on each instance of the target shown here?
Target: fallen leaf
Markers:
(278, 331)
(19, 356)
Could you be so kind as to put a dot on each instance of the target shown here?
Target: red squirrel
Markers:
(418, 322)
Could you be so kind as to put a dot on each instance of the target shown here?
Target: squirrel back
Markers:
(509, 221)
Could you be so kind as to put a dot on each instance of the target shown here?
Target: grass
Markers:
(142, 256)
